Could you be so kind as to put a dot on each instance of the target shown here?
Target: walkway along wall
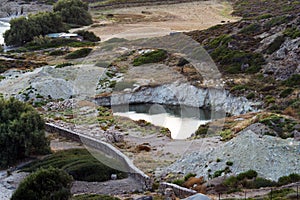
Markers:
(107, 149)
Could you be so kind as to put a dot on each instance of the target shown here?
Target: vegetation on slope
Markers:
(246, 53)
(77, 162)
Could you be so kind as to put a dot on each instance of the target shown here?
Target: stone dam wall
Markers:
(180, 192)
(106, 149)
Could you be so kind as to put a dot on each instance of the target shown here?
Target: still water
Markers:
(3, 27)
(182, 121)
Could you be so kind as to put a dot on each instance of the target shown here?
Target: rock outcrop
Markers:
(271, 157)
(182, 94)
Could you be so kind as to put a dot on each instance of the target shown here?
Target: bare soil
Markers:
(160, 20)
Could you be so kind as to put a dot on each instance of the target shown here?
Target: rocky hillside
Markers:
(259, 55)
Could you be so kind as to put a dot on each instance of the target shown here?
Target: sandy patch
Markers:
(160, 20)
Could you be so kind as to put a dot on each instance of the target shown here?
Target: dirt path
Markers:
(160, 20)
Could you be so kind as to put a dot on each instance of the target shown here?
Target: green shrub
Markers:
(80, 53)
(94, 197)
(77, 162)
(63, 65)
(22, 132)
(229, 163)
(293, 81)
(292, 178)
(201, 131)
(293, 32)
(24, 29)
(231, 61)
(178, 182)
(89, 36)
(73, 12)
(281, 194)
(57, 53)
(275, 45)
(264, 16)
(231, 182)
(260, 182)
(46, 42)
(151, 57)
(277, 21)
(251, 29)
(248, 174)
(45, 184)
(238, 88)
(250, 95)
(286, 92)
(189, 175)
(226, 135)
(270, 99)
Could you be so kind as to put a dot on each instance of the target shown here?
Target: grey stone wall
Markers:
(180, 192)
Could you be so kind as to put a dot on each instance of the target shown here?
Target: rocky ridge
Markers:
(271, 157)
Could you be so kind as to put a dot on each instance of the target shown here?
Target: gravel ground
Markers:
(271, 157)
(115, 187)
(9, 184)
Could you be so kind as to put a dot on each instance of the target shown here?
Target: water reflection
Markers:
(182, 121)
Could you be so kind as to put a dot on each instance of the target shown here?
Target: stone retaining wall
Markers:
(180, 192)
(106, 149)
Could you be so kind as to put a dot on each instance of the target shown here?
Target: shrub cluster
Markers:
(80, 53)
(45, 184)
(79, 163)
(151, 57)
(21, 132)
(88, 36)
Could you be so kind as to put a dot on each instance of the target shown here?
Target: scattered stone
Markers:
(169, 194)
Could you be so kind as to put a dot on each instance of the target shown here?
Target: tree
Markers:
(45, 184)
(23, 30)
(21, 132)
(73, 12)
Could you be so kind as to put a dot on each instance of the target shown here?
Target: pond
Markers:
(182, 121)
(3, 27)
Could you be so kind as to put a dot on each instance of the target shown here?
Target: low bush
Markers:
(178, 182)
(189, 175)
(226, 135)
(94, 197)
(292, 178)
(250, 95)
(151, 57)
(45, 184)
(286, 92)
(293, 81)
(282, 194)
(80, 53)
(57, 53)
(277, 21)
(88, 36)
(63, 65)
(77, 162)
(202, 131)
(248, 175)
(230, 60)
(275, 45)
(251, 29)
(293, 32)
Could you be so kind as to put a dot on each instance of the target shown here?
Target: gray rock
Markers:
(296, 135)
